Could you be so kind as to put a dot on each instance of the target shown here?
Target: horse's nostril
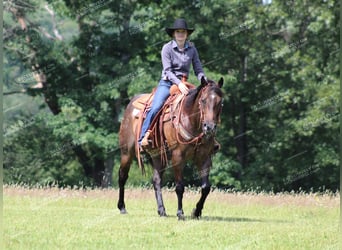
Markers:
(209, 127)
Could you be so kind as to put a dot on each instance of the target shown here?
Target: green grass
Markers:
(75, 219)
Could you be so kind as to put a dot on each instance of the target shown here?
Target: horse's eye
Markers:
(203, 101)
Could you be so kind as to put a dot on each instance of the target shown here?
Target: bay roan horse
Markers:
(189, 136)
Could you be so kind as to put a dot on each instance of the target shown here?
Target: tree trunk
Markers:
(98, 171)
(84, 160)
(242, 140)
(240, 125)
(108, 172)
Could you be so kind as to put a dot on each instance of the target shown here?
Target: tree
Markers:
(86, 60)
(82, 81)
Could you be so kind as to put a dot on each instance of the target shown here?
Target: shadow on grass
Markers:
(238, 219)
(231, 219)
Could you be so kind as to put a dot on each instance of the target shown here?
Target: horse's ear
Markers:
(204, 82)
(220, 82)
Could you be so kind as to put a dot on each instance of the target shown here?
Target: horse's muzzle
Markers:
(209, 128)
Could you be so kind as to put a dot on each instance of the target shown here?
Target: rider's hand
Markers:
(183, 88)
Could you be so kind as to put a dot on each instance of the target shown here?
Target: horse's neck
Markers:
(191, 114)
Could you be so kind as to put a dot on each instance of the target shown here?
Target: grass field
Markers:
(88, 219)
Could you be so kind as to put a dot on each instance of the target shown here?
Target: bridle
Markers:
(182, 131)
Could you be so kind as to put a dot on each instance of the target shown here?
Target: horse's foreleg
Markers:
(157, 180)
(204, 175)
(178, 170)
(180, 192)
(123, 176)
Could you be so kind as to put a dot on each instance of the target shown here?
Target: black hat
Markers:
(179, 24)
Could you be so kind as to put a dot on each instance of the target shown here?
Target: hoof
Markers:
(123, 211)
(162, 213)
(195, 214)
(180, 215)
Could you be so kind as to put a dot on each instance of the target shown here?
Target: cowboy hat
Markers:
(179, 24)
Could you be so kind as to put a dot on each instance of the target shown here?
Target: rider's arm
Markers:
(167, 64)
(197, 65)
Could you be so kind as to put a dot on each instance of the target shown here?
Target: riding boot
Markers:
(144, 141)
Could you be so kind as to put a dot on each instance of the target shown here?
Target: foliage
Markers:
(279, 62)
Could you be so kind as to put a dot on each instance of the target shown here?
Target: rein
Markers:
(183, 132)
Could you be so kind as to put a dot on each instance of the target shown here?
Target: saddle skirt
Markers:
(143, 101)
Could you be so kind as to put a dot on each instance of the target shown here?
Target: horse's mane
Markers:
(214, 87)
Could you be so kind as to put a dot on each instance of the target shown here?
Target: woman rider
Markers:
(177, 56)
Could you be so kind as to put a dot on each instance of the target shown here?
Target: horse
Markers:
(189, 136)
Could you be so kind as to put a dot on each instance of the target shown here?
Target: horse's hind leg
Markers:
(126, 160)
(158, 172)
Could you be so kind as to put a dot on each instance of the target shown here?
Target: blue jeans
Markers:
(160, 96)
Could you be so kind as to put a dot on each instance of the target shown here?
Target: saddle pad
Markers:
(141, 101)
